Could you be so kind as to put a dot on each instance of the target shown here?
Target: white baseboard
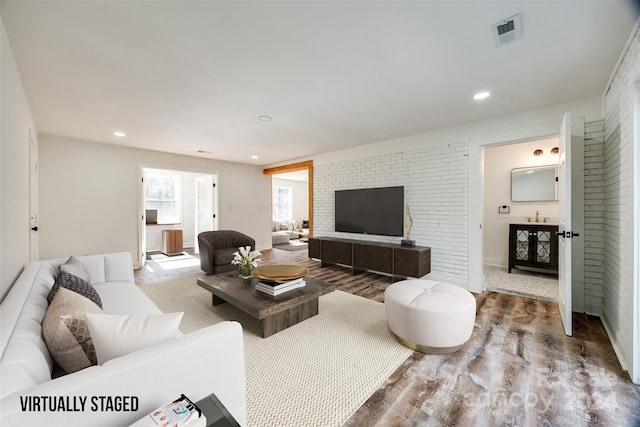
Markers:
(495, 263)
(593, 310)
(616, 347)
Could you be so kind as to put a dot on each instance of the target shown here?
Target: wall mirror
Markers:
(537, 183)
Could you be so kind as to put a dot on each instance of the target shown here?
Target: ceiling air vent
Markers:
(508, 30)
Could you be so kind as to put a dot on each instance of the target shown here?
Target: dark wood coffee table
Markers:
(275, 313)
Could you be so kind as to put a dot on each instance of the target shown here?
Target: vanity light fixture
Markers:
(481, 95)
(555, 150)
(119, 134)
(538, 152)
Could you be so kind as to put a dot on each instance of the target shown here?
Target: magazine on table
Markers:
(182, 412)
(277, 291)
(276, 284)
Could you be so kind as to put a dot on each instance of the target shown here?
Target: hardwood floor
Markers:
(518, 368)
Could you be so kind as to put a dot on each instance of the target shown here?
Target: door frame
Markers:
(142, 240)
(477, 144)
(214, 204)
(635, 359)
(294, 167)
(34, 254)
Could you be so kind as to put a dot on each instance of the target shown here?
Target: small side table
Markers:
(171, 242)
(216, 413)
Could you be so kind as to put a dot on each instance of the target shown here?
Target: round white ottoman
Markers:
(429, 316)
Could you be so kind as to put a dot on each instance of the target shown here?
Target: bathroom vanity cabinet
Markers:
(533, 245)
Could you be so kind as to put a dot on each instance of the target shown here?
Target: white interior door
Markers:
(565, 233)
(205, 211)
(33, 199)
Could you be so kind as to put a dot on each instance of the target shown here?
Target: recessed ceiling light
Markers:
(204, 152)
(254, 157)
(120, 134)
(481, 95)
(265, 118)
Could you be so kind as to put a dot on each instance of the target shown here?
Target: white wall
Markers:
(90, 196)
(300, 209)
(15, 122)
(594, 195)
(498, 162)
(618, 214)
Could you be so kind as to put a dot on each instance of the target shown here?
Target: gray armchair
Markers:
(217, 248)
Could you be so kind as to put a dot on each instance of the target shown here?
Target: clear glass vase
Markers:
(245, 271)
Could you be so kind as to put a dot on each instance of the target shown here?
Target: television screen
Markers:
(370, 211)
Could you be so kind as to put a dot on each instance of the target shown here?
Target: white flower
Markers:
(245, 256)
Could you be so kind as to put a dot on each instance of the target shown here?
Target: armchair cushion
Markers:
(223, 256)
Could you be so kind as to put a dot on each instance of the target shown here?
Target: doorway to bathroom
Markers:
(520, 188)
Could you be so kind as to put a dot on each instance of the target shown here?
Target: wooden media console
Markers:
(361, 255)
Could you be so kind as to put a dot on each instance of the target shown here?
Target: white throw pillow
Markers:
(116, 335)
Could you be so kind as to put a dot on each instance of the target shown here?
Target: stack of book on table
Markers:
(274, 288)
(182, 412)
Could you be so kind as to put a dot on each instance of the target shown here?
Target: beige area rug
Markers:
(316, 373)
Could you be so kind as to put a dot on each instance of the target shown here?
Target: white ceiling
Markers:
(181, 76)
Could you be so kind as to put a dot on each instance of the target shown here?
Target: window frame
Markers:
(178, 184)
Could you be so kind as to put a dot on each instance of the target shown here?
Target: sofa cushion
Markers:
(77, 268)
(223, 256)
(280, 237)
(117, 335)
(76, 284)
(125, 298)
(65, 330)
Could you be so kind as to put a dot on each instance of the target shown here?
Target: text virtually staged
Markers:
(79, 403)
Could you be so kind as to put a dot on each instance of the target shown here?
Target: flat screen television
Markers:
(370, 211)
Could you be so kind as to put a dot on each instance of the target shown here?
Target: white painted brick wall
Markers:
(594, 197)
(618, 203)
(436, 185)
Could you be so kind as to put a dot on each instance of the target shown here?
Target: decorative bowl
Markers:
(279, 272)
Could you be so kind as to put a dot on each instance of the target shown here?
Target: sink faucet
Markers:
(537, 215)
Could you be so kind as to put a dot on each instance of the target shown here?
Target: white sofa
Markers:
(284, 231)
(210, 360)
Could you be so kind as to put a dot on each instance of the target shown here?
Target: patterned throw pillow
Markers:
(75, 267)
(75, 284)
(66, 333)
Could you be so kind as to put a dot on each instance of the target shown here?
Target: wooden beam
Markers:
(289, 168)
(293, 167)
